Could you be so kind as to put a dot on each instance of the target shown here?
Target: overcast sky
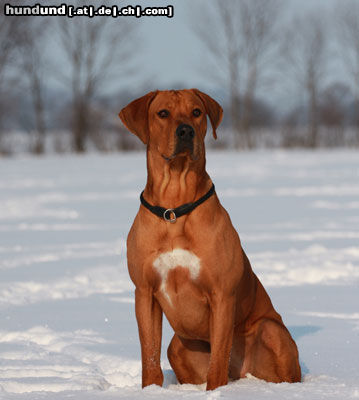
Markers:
(171, 48)
(170, 54)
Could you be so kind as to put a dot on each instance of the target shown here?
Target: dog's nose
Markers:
(185, 132)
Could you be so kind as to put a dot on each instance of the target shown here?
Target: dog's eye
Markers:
(196, 112)
(163, 113)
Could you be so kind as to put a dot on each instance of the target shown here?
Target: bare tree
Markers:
(243, 43)
(32, 66)
(260, 29)
(347, 17)
(306, 54)
(95, 48)
(9, 38)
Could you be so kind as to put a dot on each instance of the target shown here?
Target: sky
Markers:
(169, 55)
(172, 49)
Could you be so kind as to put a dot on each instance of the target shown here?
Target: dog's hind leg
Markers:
(273, 354)
(189, 359)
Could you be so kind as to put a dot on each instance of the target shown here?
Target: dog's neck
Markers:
(176, 182)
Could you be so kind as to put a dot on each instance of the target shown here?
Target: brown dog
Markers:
(186, 259)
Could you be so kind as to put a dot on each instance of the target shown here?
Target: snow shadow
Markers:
(299, 331)
(303, 330)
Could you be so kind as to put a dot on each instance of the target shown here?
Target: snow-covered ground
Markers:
(67, 324)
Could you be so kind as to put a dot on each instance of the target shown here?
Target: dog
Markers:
(186, 260)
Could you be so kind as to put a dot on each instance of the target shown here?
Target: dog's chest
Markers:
(178, 260)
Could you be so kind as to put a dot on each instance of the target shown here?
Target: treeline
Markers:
(284, 80)
(312, 58)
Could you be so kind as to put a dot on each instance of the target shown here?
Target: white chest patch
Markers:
(176, 258)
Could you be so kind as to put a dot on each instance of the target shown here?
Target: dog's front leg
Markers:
(149, 320)
(221, 337)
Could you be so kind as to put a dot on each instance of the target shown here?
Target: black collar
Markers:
(171, 214)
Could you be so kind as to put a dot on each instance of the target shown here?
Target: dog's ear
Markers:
(213, 109)
(135, 116)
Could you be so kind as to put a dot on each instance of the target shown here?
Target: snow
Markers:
(68, 327)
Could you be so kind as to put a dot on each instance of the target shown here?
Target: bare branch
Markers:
(241, 38)
(305, 50)
(94, 48)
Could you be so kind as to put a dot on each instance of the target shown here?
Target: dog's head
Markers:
(174, 122)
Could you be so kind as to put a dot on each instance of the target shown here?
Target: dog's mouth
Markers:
(182, 151)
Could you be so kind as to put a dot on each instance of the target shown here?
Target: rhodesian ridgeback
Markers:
(186, 260)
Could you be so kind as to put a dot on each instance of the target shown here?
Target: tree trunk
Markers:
(247, 109)
(235, 100)
(236, 121)
(356, 118)
(38, 103)
(313, 116)
(79, 128)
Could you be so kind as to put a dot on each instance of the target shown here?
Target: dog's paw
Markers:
(153, 377)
